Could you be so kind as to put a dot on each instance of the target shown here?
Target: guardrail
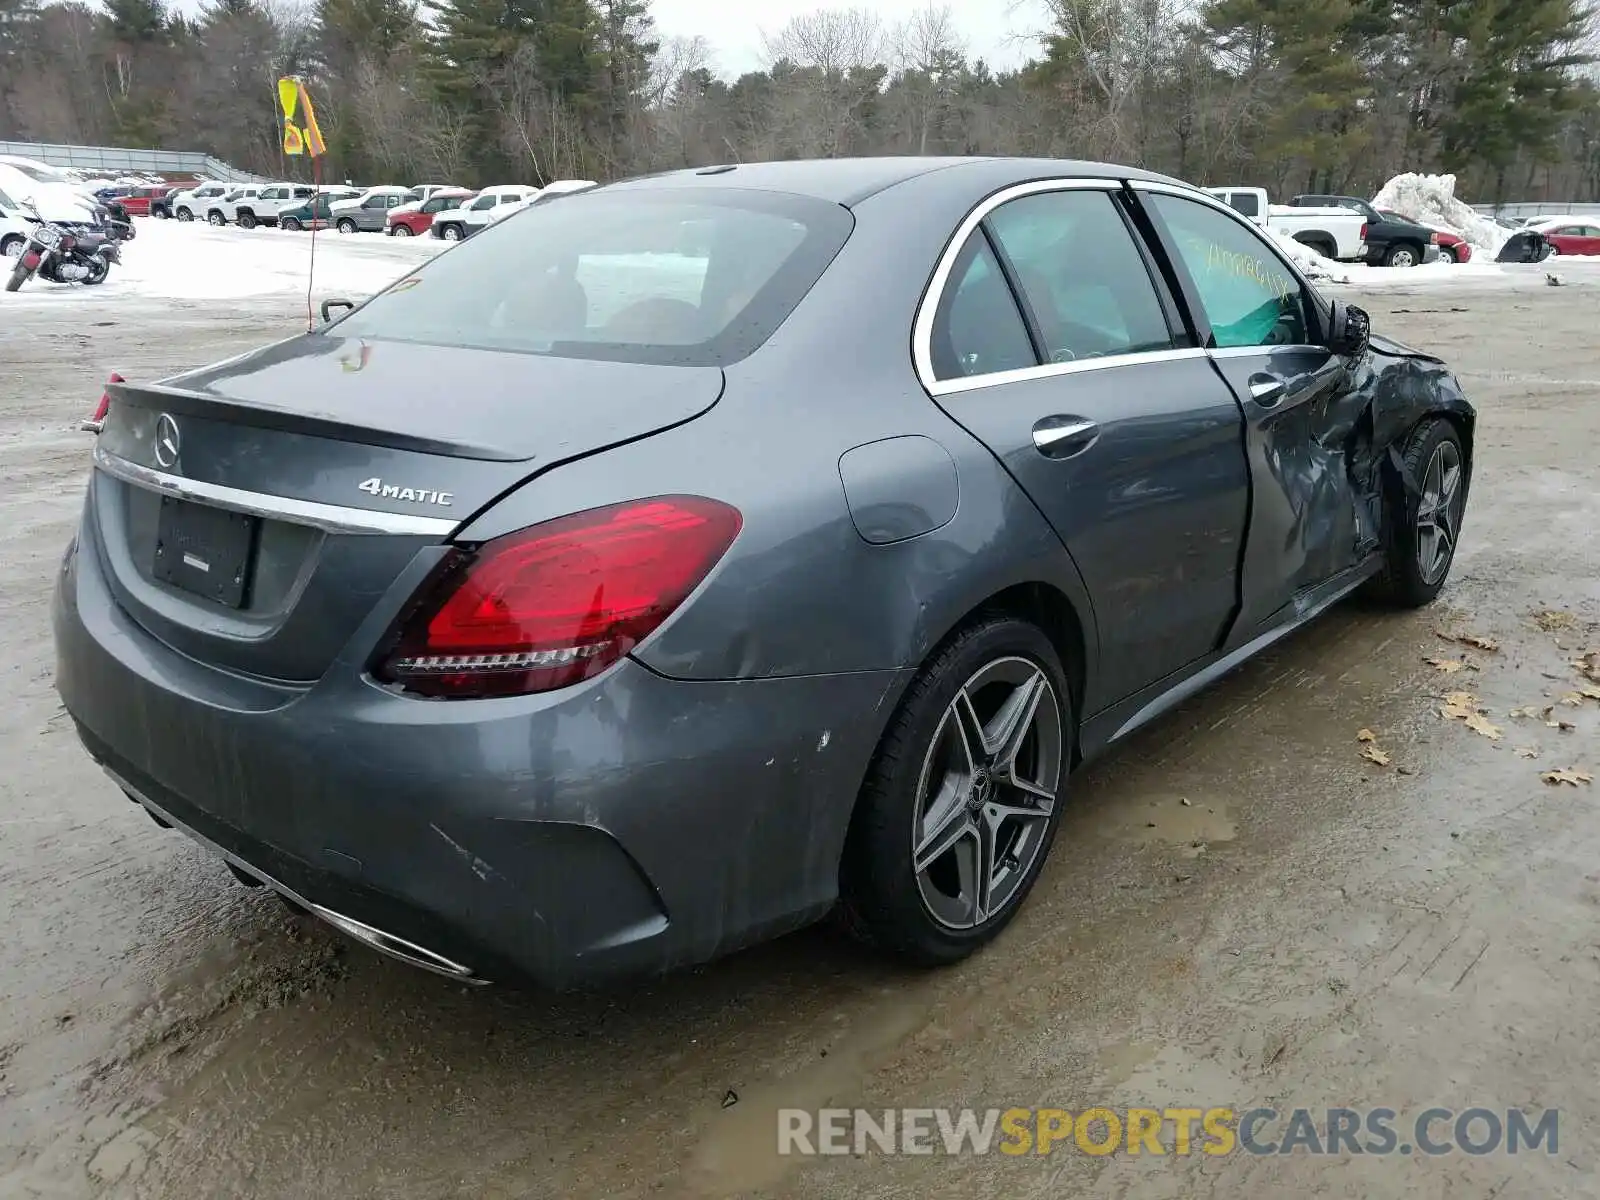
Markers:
(1539, 208)
(116, 160)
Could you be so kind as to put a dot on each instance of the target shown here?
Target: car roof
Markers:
(849, 181)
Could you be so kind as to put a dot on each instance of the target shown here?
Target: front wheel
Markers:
(400, 230)
(216, 218)
(159, 214)
(19, 276)
(1423, 515)
(1448, 253)
(292, 224)
(962, 800)
(346, 225)
(247, 220)
(12, 246)
(185, 215)
(451, 233)
(1402, 256)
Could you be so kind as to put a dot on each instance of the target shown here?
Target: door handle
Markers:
(1267, 390)
(1063, 437)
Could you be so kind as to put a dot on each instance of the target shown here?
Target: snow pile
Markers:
(1431, 200)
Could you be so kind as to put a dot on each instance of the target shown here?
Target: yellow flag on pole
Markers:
(299, 136)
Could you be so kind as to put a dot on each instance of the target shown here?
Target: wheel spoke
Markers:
(975, 870)
(1008, 729)
(946, 821)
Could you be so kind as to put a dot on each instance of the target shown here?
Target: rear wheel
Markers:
(346, 225)
(1448, 253)
(962, 800)
(11, 247)
(1424, 526)
(159, 214)
(99, 268)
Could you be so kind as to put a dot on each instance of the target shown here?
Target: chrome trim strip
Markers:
(1044, 438)
(332, 518)
(922, 326)
(1257, 351)
(385, 943)
(943, 387)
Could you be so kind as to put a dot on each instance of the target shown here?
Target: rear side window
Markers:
(690, 278)
(978, 328)
(1081, 274)
(1250, 297)
(1247, 203)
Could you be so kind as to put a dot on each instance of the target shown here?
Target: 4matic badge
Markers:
(389, 491)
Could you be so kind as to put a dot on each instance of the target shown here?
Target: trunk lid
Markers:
(251, 514)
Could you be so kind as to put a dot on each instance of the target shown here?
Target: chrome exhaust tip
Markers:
(368, 935)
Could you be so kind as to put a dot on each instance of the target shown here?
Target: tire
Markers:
(97, 275)
(216, 218)
(345, 225)
(1448, 253)
(247, 220)
(1411, 536)
(1324, 248)
(290, 223)
(1402, 255)
(19, 276)
(928, 918)
(11, 247)
(399, 231)
(185, 215)
(160, 214)
(451, 233)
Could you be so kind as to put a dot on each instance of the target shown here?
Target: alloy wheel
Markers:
(1439, 512)
(986, 792)
(1402, 258)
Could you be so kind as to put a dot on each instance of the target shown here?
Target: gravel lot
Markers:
(1240, 910)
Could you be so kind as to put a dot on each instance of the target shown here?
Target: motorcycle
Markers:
(63, 256)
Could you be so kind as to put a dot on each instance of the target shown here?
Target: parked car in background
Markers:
(316, 213)
(14, 230)
(1452, 246)
(262, 209)
(1390, 243)
(417, 217)
(138, 200)
(550, 191)
(161, 204)
(368, 212)
(225, 208)
(1333, 232)
(1571, 235)
(188, 205)
(427, 191)
(474, 215)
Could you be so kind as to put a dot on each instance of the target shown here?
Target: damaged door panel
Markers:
(1308, 431)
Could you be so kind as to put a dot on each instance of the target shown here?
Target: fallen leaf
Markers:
(1458, 706)
(1567, 775)
(1366, 735)
(1527, 752)
(1550, 620)
(1470, 639)
(1592, 691)
(1572, 700)
(1448, 665)
(1478, 723)
(1589, 665)
(1373, 754)
(1531, 710)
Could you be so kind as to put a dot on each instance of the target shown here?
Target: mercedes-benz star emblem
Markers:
(166, 440)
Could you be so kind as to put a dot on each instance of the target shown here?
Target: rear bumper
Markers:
(624, 826)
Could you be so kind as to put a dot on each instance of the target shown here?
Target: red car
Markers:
(1572, 236)
(1451, 247)
(408, 221)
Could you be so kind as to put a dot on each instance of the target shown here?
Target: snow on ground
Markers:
(1327, 270)
(179, 260)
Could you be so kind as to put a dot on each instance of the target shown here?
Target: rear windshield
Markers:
(678, 277)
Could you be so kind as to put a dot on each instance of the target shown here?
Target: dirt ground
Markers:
(1240, 910)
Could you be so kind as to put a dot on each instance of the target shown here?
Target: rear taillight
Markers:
(556, 603)
(1363, 231)
(97, 422)
(1434, 239)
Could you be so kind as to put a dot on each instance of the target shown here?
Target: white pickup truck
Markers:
(1332, 232)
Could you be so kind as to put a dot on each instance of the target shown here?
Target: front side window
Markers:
(481, 203)
(1082, 275)
(978, 328)
(1249, 296)
(640, 275)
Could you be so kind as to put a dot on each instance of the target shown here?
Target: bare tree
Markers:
(830, 39)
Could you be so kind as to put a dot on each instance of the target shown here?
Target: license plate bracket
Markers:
(206, 551)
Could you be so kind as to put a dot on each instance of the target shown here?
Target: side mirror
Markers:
(329, 305)
(1349, 330)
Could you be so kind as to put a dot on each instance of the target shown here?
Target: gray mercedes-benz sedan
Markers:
(666, 568)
